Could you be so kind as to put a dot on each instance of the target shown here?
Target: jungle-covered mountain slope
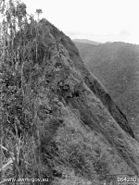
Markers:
(74, 110)
(58, 120)
(116, 65)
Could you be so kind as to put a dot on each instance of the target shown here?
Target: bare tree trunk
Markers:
(1, 152)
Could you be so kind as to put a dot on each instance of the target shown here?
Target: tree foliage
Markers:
(17, 31)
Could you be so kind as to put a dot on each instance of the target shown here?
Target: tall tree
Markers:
(38, 12)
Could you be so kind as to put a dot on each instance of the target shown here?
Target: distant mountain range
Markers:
(86, 41)
(116, 65)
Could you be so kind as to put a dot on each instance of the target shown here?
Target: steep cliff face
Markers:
(84, 137)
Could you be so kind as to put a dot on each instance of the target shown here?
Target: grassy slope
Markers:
(65, 78)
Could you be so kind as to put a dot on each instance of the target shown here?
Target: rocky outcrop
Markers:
(84, 135)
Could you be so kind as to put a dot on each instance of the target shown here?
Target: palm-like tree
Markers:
(38, 12)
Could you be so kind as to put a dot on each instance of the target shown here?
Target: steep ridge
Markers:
(103, 95)
(84, 135)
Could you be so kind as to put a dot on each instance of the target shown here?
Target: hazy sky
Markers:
(98, 20)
